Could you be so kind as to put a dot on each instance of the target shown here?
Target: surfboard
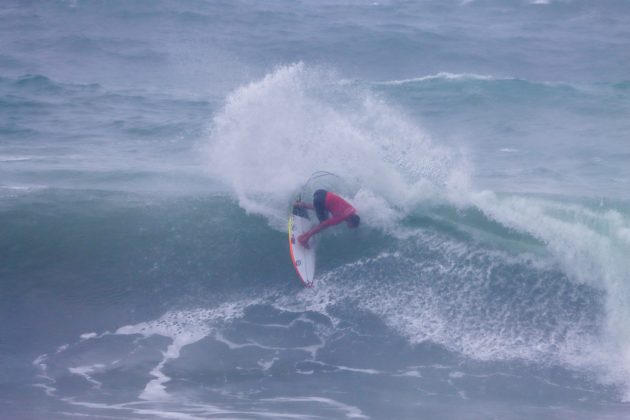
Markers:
(303, 259)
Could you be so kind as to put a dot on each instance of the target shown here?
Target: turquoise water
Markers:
(148, 155)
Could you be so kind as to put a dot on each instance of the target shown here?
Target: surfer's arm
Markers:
(303, 239)
(323, 225)
(317, 229)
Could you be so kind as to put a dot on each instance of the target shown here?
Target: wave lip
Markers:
(443, 76)
(590, 247)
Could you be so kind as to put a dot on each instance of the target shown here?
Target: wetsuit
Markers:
(325, 204)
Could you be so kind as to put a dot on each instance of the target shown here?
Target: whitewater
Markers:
(149, 153)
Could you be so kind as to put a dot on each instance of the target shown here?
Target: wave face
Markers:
(149, 154)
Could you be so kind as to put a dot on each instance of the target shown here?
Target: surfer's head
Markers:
(353, 221)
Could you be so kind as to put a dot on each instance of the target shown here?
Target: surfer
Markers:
(325, 203)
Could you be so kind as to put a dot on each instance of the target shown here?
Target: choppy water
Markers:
(148, 154)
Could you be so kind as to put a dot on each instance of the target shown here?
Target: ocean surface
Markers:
(149, 152)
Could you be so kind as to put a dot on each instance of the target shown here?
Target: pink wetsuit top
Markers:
(339, 208)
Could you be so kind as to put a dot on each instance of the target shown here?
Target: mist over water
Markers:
(149, 154)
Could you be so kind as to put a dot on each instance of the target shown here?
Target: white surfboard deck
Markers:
(303, 258)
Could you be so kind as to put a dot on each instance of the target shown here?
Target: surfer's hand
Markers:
(298, 204)
(303, 240)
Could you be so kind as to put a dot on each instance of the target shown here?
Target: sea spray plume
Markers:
(272, 134)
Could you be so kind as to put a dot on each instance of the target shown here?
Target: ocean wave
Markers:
(41, 85)
(443, 76)
(291, 115)
(492, 281)
(531, 88)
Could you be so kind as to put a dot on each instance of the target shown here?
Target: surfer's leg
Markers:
(319, 202)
